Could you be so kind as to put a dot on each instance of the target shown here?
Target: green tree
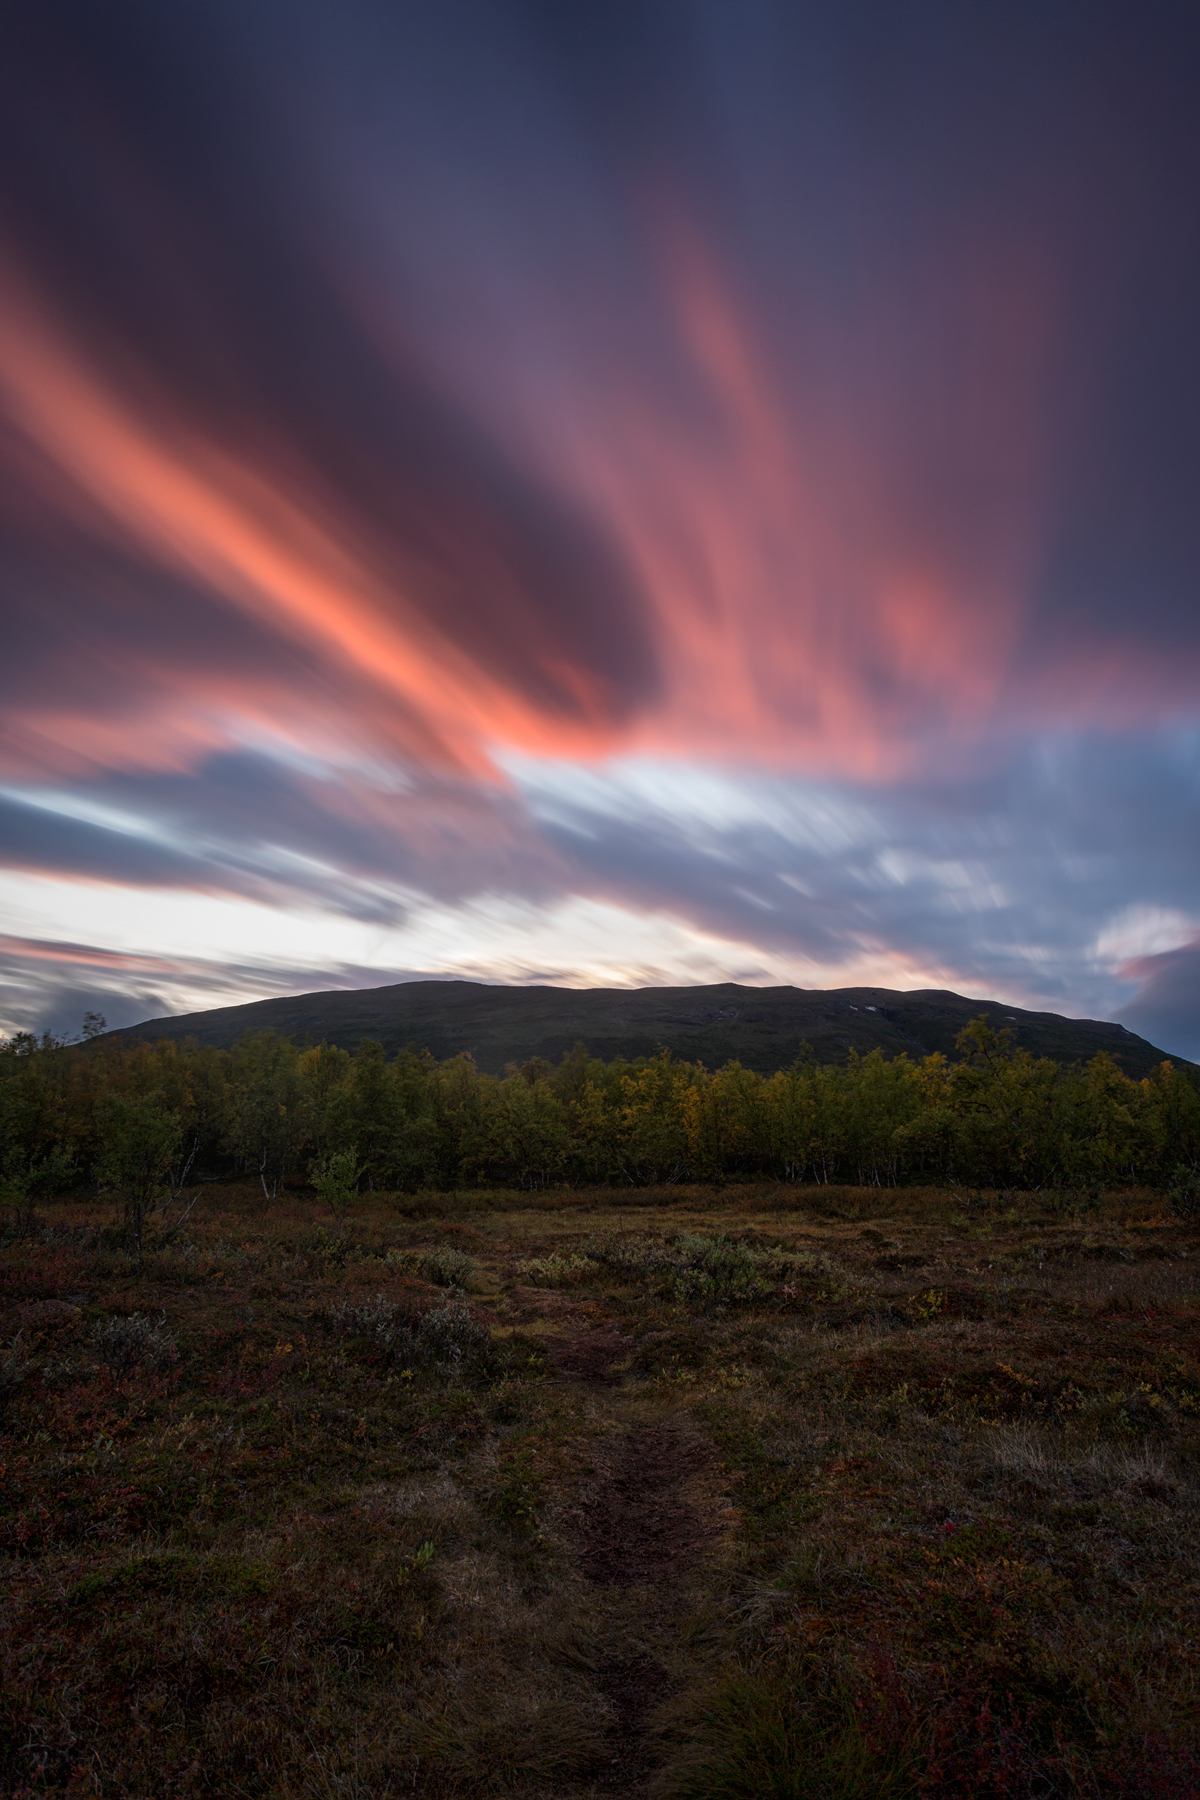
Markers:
(336, 1177)
(139, 1140)
(265, 1124)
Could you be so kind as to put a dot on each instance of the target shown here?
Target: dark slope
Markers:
(764, 1028)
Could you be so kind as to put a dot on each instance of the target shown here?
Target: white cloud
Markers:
(1142, 930)
(704, 802)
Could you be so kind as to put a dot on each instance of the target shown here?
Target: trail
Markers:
(641, 1526)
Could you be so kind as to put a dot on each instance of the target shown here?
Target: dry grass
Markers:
(895, 1495)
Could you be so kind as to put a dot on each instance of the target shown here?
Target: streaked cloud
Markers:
(619, 498)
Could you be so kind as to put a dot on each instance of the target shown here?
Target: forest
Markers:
(141, 1122)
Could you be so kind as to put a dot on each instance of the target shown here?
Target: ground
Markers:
(767, 1491)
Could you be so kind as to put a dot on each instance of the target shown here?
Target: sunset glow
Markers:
(499, 498)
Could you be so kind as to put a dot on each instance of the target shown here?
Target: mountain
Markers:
(764, 1028)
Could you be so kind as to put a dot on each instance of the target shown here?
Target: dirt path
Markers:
(639, 1523)
(643, 1524)
(592, 1356)
(633, 1686)
(646, 1521)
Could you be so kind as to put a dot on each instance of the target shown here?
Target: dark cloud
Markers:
(256, 827)
(1167, 1007)
(288, 241)
(1028, 882)
(49, 842)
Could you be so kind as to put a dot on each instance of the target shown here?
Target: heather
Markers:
(764, 1490)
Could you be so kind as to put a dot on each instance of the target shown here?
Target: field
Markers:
(746, 1492)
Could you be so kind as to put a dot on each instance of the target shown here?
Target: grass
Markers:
(701, 1494)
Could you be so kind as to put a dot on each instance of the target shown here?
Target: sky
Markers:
(615, 494)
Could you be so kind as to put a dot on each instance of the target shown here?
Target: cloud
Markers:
(49, 985)
(386, 608)
(1028, 885)
(1166, 1008)
(486, 474)
(284, 828)
(43, 838)
(692, 529)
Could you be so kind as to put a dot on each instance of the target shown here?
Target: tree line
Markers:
(144, 1120)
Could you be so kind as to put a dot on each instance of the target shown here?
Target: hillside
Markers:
(764, 1028)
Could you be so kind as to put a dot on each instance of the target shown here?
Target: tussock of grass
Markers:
(135, 1342)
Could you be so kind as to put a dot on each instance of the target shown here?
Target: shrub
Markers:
(337, 1251)
(336, 1178)
(717, 1269)
(453, 1339)
(20, 1190)
(694, 1270)
(135, 1342)
(378, 1322)
(447, 1338)
(445, 1265)
(139, 1140)
(1185, 1191)
(639, 1258)
(557, 1270)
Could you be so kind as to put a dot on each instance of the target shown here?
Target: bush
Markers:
(337, 1251)
(16, 1198)
(139, 1140)
(694, 1270)
(336, 1179)
(716, 1270)
(377, 1321)
(447, 1266)
(557, 1270)
(1185, 1192)
(444, 1264)
(447, 1338)
(135, 1342)
(453, 1339)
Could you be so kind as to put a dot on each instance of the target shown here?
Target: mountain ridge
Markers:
(763, 1028)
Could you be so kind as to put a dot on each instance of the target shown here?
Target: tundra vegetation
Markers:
(376, 1428)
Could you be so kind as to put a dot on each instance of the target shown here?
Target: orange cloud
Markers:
(88, 956)
(266, 542)
(815, 598)
(814, 616)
